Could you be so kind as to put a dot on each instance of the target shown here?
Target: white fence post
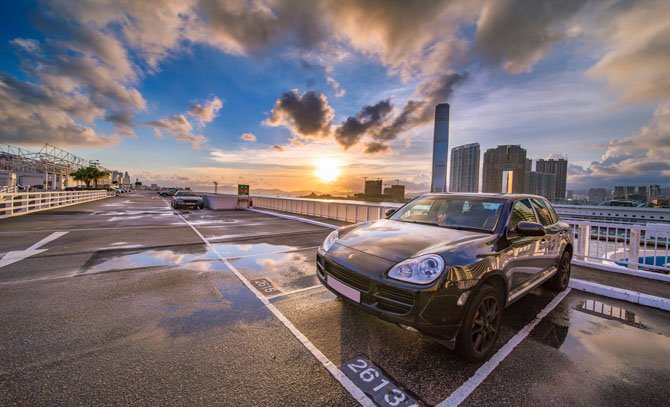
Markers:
(634, 249)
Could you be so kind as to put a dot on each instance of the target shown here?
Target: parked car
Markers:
(168, 191)
(448, 264)
(183, 199)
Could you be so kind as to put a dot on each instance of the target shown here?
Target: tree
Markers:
(88, 175)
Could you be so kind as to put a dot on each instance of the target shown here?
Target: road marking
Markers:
(348, 385)
(462, 393)
(18, 255)
(295, 291)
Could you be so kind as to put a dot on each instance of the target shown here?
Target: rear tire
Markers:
(481, 325)
(561, 279)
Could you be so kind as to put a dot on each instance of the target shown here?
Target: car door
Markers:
(526, 257)
(552, 239)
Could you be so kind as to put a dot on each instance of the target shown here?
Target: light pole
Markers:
(216, 186)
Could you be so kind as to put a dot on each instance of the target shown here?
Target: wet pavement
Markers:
(131, 306)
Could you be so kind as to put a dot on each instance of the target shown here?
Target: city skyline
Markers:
(192, 95)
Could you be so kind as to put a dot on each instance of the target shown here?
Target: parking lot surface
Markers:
(126, 301)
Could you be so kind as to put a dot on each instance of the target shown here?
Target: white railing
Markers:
(634, 247)
(22, 203)
(331, 209)
(642, 250)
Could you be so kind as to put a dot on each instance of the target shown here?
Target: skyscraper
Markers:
(541, 183)
(440, 148)
(464, 174)
(508, 159)
(557, 167)
(373, 187)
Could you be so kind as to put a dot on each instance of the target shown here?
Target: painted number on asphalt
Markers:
(372, 380)
(265, 286)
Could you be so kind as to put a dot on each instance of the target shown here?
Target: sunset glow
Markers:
(327, 170)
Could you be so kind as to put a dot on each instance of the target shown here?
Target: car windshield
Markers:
(456, 212)
(185, 193)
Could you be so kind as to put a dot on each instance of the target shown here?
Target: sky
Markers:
(313, 96)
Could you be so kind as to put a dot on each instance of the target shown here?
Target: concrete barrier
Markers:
(220, 202)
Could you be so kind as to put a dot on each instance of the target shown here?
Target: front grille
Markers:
(394, 300)
(352, 279)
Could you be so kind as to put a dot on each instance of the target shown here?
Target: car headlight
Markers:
(418, 270)
(328, 243)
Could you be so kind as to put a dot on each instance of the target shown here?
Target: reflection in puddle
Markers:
(243, 250)
(600, 309)
(149, 258)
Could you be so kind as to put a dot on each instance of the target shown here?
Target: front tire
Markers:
(481, 325)
(561, 279)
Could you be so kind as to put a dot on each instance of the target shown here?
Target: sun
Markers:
(327, 170)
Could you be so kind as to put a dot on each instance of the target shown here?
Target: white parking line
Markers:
(462, 393)
(348, 385)
(270, 297)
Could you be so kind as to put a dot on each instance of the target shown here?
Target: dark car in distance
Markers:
(448, 264)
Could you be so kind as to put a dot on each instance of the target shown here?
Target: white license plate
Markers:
(343, 289)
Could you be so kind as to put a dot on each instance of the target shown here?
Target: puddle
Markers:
(288, 271)
(608, 338)
(603, 310)
(252, 249)
(143, 259)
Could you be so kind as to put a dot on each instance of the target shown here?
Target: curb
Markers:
(299, 219)
(621, 294)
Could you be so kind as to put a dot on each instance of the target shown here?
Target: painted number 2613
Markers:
(393, 396)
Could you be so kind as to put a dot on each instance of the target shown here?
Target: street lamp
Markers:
(216, 185)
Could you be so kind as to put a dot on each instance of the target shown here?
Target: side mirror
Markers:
(389, 212)
(529, 229)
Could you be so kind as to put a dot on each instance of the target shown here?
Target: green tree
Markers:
(88, 175)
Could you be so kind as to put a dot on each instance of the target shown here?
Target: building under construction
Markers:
(47, 169)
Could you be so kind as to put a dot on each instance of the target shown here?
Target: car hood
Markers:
(397, 241)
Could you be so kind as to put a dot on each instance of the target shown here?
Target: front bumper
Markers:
(188, 203)
(433, 310)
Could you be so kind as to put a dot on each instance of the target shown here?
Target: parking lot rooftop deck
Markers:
(127, 301)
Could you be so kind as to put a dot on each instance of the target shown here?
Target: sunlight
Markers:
(327, 170)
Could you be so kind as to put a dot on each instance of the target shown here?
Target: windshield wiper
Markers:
(420, 223)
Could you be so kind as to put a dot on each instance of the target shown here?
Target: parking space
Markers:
(204, 307)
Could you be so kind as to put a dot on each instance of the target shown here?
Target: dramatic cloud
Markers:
(640, 158)
(181, 129)
(370, 117)
(206, 112)
(517, 33)
(638, 56)
(307, 115)
(248, 137)
(375, 147)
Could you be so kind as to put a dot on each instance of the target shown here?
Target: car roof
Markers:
(508, 197)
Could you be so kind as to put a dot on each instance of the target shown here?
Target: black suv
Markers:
(448, 264)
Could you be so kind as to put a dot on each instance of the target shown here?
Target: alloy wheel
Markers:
(485, 324)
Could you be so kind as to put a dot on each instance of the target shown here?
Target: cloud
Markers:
(33, 114)
(248, 137)
(375, 147)
(26, 44)
(206, 112)
(337, 88)
(307, 115)
(637, 39)
(277, 148)
(370, 117)
(181, 129)
(640, 158)
(515, 34)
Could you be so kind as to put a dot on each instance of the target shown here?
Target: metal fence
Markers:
(642, 250)
(21, 203)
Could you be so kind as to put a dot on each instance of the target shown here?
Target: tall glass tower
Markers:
(440, 148)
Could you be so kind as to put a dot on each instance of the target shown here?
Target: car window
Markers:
(543, 212)
(452, 212)
(552, 211)
(521, 212)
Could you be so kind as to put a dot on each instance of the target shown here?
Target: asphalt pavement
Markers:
(127, 301)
